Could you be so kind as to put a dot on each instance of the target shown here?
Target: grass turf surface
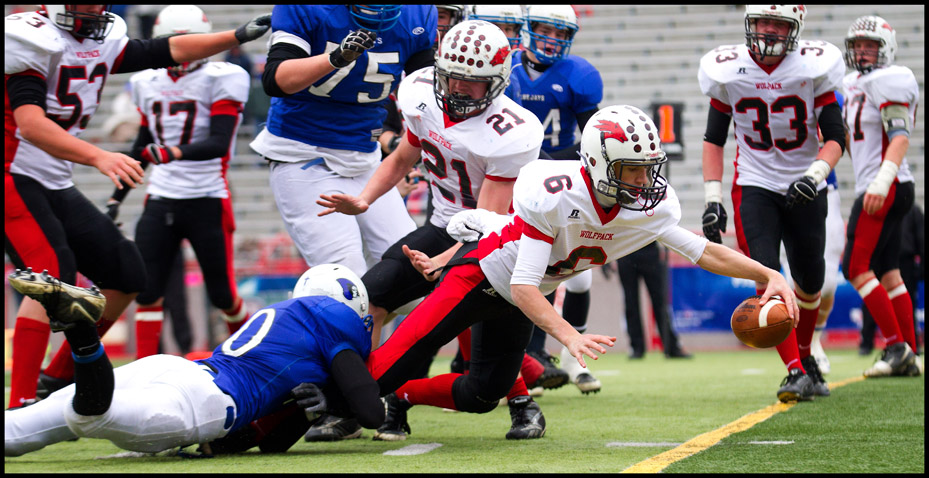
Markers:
(645, 408)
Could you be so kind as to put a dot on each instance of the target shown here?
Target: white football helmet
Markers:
(616, 137)
(336, 281)
(500, 14)
(774, 45)
(473, 50)
(875, 28)
(458, 14)
(179, 20)
(95, 26)
(561, 17)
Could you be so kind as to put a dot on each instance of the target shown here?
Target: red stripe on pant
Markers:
(424, 320)
(867, 233)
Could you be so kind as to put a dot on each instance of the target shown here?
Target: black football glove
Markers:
(112, 209)
(801, 192)
(157, 154)
(311, 399)
(714, 222)
(254, 29)
(352, 46)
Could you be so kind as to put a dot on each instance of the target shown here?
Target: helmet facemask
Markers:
(458, 106)
(94, 26)
(633, 196)
(765, 44)
(376, 18)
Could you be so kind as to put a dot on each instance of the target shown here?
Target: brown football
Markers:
(761, 326)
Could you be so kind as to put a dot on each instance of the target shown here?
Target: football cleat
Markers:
(395, 427)
(527, 418)
(796, 386)
(820, 389)
(894, 361)
(65, 304)
(553, 377)
(333, 428)
(48, 385)
(587, 383)
(579, 376)
(915, 369)
(816, 349)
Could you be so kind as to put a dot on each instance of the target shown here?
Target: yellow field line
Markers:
(659, 462)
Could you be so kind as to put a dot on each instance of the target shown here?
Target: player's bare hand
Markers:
(872, 203)
(588, 344)
(777, 286)
(118, 166)
(344, 203)
(423, 263)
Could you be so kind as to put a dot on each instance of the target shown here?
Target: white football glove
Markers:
(469, 225)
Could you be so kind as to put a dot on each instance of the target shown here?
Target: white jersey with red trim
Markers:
(75, 72)
(865, 95)
(460, 156)
(177, 111)
(554, 203)
(775, 111)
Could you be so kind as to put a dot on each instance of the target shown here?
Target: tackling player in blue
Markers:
(286, 352)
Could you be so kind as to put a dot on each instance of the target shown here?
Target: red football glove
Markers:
(157, 154)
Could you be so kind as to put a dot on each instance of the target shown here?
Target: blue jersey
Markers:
(566, 88)
(343, 110)
(282, 346)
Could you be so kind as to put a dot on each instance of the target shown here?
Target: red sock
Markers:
(148, 330)
(62, 364)
(30, 340)
(809, 312)
(518, 390)
(531, 369)
(435, 391)
(903, 309)
(235, 319)
(789, 353)
(878, 303)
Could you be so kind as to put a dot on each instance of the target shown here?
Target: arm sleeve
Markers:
(359, 388)
(393, 122)
(420, 59)
(584, 117)
(26, 89)
(831, 124)
(279, 52)
(531, 261)
(144, 54)
(217, 144)
(717, 126)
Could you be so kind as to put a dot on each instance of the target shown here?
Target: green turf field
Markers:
(645, 408)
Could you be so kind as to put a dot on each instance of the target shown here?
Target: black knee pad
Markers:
(471, 396)
(131, 272)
